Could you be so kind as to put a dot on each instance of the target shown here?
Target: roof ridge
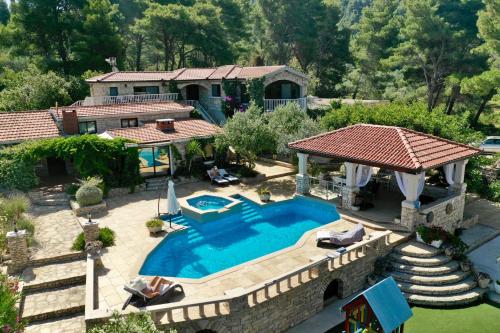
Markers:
(439, 138)
(105, 76)
(408, 147)
(181, 70)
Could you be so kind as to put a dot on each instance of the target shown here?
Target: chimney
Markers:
(165, 125)
(70, 121)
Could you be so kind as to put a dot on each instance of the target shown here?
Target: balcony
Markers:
(125, 99)
(271, 104)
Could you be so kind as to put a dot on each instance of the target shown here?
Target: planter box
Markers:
(437, 244)
(99, 209)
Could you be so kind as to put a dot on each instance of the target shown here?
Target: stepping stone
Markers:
(446, 290)
(417, 261)
(417, 249)
(54, 275)
(431, 280)
(451, 300)
(447, 268)
(54, 303)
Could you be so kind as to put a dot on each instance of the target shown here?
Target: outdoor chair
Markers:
(224, 174)
(335, 238)
(158, 291)
(217, 179)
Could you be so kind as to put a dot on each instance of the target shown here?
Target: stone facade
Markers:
(17, 243)
(125, 88)
(90, 231)
(349, 196)
(287, 309)
(448, 213)
(288, 76)
(302, 184)
(98, 209)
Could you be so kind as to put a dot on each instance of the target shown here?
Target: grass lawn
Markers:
(484, 318)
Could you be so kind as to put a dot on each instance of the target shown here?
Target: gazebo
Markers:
(407, 153)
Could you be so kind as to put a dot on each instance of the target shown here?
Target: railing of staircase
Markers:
(202, 109)
(271, 104)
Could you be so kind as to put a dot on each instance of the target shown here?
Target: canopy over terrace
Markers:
(407, 152)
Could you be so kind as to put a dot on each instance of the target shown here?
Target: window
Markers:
(87, 127)
(129, 122)
(216, 90)
(113, 91)
(151, 90)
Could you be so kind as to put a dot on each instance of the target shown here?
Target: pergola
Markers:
(406, 152)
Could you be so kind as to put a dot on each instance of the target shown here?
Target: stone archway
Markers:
(282, 89)
(332, 291)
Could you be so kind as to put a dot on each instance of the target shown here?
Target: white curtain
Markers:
(402, 183)
(363, 175)
(449, 172)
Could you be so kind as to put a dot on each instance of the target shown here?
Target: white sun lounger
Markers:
(217, 179)
(224, 174)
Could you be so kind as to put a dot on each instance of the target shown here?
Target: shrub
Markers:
(9, 296)
(12, 211)
(17, 174)
(153, 223)
(106, 236)
(71, 189)
(88, 195)
(263, 190)
(139, 322)
(14, 206)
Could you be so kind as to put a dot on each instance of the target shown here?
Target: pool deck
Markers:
(127, 215)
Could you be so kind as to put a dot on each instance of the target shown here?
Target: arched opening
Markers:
(206, 331)
(332, 291)
(282, 89)
(193, 92)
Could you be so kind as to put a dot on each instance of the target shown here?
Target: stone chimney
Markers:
(165, 125)
(70, 122)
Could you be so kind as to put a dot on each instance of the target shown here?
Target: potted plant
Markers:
(465, 263)
(497, 286)
(433, 236)
(456, 248)
(154, 225)
(264, 193)
(483, 280)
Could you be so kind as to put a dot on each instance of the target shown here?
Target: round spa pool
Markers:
(208, 202)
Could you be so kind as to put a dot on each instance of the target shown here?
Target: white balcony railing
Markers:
(271, 104)
(125, 99)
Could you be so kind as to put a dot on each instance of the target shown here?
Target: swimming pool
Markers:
(249, 233)
(208, 202)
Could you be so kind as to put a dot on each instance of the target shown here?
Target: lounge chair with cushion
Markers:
(224, 174)
(334, 238)
(217, 179)
(158, 291)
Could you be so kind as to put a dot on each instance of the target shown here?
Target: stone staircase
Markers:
(156, 184)
(427, 277)
(54, 296)
(42, 198)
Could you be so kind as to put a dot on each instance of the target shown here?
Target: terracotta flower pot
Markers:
(265, 197)
(483, 282)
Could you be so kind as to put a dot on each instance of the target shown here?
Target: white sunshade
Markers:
(173, 205)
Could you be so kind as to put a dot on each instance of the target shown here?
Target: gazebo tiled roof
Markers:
(394, 148)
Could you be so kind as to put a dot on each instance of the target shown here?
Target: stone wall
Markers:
(288, 76)
(447, 218)
(288, 309)
(124, 88)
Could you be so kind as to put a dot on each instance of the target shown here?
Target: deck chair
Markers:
(217, 179)
(334, 238)
(224, 174)
(139, 298)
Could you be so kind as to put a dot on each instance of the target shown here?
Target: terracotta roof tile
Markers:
(184, 129)
(386, 146)
(134, 76)
(119, 109)
(19, 126)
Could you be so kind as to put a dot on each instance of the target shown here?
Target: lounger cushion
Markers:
(344, 238)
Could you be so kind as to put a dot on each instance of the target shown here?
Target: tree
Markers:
(4, 12)
(33, 90)
(193, 150)
(99, 36)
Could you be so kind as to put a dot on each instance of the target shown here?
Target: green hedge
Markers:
(91, 156)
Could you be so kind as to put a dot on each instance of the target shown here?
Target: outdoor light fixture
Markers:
(89, 216)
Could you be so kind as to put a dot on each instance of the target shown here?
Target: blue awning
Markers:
(388, 304)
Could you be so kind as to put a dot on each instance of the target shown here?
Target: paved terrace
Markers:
(128, 214)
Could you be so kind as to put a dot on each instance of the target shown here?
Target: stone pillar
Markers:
(459, 186)
(171, 160)
(350, 190)
(90, 231)
(302, 178)
(17, 243)
(409, 207)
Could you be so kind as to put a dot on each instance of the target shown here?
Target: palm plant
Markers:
(193, 150)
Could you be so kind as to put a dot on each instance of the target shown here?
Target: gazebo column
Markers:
(409, 207)
(459, 186)
(302, 178)
(350, 190)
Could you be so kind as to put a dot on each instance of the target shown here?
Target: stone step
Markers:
(417, 249)
(448, 289)
(52, 202)
(450, 300)
(53, 303)
(431, 280)
(447, 268)
(64, 257)
(54, 275)
(416, 261)
(66, 324)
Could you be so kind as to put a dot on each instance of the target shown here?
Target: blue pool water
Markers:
(207, 248)
(206, 202)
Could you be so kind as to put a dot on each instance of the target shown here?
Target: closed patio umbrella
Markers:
(173, 206)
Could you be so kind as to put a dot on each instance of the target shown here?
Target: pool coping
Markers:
(300, 243)
(209, 214)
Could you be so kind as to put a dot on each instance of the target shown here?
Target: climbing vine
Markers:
(256, 90)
